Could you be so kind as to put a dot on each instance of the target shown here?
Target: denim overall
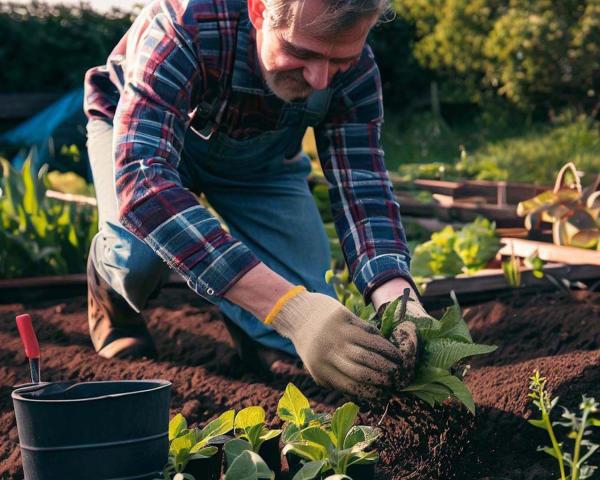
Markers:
(258, 188)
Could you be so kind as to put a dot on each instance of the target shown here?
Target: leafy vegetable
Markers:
(450, 252)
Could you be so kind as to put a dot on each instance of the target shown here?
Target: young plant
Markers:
(333, 447)
(442, 344)
(578, 426)
(250, 425)
(245, 463)
(190, 444)
(294, 410)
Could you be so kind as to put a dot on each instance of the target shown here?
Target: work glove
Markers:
(340, 350)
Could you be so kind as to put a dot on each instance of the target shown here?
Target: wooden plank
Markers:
(550, 252)
(491, 284)
(15, 106)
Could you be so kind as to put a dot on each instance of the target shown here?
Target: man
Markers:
(214, 97)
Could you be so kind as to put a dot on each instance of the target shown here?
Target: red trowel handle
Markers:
(32, 347)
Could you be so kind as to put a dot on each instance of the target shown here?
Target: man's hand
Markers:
(340, 350)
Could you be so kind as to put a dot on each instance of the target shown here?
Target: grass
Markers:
(478, 149)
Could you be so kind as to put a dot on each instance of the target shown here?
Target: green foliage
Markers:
(579, 428)
(49, 47)
(244, 463)
(189, 444)
(327, 444)
(250, 425)
(450, 252)
(531, 52)
(40, 235)
(491, 149)
(444, 343)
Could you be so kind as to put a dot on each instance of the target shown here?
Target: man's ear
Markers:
(256, 13)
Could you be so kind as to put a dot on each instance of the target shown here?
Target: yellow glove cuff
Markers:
(282, 300)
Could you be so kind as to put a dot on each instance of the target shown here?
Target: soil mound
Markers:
(557, 334)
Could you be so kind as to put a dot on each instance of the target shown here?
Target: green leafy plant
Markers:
(512, 270)
(327, 444)
(190, 444)
(40, 235)
(443, 343)
(250, 425)
(573, 212)
(245, 463)
(579, 428)
(450, 252)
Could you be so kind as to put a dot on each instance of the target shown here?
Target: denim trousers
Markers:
(263, 200)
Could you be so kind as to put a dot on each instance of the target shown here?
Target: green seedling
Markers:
(250, 425)
(245, 463)
(579, 428)
(333, 447)
(443, 345)
(191, 444)
(294, 410)
(512, 271)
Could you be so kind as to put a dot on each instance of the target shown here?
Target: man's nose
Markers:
(318, 74)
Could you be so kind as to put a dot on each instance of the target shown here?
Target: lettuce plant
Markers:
(579, 428)
(326, 443)
(249, 425)
(190, 444)
(450, 252)
(443, 344)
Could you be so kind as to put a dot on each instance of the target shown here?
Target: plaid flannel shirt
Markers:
(175, 52)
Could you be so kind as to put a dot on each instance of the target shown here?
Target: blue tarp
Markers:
(61, 123)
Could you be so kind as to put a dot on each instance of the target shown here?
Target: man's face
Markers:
(295, 62)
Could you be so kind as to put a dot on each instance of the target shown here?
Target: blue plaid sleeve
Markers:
(366, 214)
(163, 70)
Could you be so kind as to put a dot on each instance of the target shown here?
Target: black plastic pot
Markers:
(94, 430)
(209, 468)
(364, 471)
(294, 464)
(356, 472)
(270, 453)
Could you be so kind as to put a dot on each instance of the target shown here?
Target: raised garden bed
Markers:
(556, 333)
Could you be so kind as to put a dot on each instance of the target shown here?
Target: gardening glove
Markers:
(404, 336)
(339, 350)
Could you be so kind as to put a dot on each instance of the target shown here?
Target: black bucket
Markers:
(113, 430)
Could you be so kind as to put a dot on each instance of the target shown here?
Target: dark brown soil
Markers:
(557, 334)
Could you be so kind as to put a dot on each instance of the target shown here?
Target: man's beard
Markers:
(288, 85)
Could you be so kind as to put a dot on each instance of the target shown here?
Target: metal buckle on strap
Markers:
(205, 133)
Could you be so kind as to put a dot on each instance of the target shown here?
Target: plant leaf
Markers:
(248, 466)
(445, 352)
(219, 426)
(293, 405)
(177, 425)
(342, 421)
(249, 417)
(309, 470)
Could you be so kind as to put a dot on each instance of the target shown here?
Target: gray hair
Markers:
(338, 16)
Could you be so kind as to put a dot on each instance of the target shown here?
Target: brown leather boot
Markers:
(116, 329)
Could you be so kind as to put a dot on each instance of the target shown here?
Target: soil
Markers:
(556, 333)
